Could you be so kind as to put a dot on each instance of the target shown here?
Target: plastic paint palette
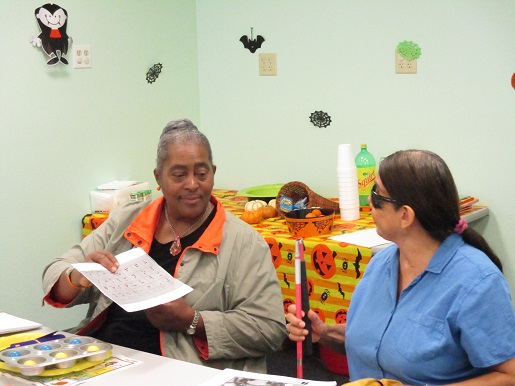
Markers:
(32, 360)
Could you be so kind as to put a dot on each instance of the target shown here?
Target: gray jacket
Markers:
(230, 269)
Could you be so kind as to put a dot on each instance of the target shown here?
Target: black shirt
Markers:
(133, 329)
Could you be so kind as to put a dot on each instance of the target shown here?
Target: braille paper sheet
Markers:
(138, 283)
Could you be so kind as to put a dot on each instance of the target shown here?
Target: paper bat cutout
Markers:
(252, 44)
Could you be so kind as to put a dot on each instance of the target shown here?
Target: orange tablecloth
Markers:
(333, 268)
(92, 221)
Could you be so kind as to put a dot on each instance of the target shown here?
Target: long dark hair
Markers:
(422, 180)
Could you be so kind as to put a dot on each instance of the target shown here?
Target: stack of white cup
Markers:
(347, 183)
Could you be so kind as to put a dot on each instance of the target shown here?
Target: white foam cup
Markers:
(350, 214)
(347, 185)
(348, 206)
(347, 169)
(345, 156)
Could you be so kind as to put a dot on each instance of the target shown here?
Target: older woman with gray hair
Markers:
(233, 317)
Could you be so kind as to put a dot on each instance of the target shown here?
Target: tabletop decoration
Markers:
(255, 205)
(333, 268)
(309, 222)
(261, 192)
(153, 72)
(295, 192)
(320, 119)
(257, 210)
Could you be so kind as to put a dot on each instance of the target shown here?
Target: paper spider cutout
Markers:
(320, 119)
(153, 72)
(252, 44)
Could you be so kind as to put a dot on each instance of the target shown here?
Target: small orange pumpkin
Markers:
(267, 211)
(251, 217)
(317, 212)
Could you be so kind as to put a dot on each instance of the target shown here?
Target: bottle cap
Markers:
(363, 145)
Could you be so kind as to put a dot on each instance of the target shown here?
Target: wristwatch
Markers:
(193, 326)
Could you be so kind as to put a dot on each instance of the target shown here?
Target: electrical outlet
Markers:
(81, 56)
(403, 66)
(267, 64)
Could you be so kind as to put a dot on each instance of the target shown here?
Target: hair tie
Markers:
(461, 226)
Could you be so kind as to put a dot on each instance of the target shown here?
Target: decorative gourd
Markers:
(273, 203)
(317, 212)
(254, 205)
(251, 217)
(267, 211)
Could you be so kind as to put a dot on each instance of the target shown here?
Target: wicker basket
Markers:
(296, 191)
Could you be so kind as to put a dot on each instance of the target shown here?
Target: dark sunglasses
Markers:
(376, 199)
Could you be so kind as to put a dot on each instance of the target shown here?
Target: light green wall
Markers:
(64, 131)
(338, 56)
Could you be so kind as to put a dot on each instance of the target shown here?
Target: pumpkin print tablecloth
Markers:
(333, 268)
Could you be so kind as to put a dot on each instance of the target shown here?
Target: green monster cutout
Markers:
(409, 50)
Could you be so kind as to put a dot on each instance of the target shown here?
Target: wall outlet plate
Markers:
(403, 66)
(81, 56)
(268, 64)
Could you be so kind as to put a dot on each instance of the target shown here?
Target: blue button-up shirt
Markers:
(450, 324)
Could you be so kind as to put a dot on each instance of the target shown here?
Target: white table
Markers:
(154, 370)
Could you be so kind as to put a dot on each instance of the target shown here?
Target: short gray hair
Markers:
(180, 131)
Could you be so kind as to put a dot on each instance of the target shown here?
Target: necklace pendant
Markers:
(176, 247)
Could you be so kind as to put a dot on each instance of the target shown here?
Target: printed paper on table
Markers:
(230, 377)
(365, 238)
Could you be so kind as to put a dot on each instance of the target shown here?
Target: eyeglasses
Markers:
(376, 199)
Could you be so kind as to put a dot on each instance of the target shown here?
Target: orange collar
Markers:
(140, 232)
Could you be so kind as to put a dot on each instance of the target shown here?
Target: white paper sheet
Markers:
(10, 323)
(365, 238)
(138, 283)
(229, 377)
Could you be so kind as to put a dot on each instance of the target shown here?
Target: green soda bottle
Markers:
(366, 166)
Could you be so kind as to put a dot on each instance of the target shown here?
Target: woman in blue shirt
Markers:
(434, 307)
